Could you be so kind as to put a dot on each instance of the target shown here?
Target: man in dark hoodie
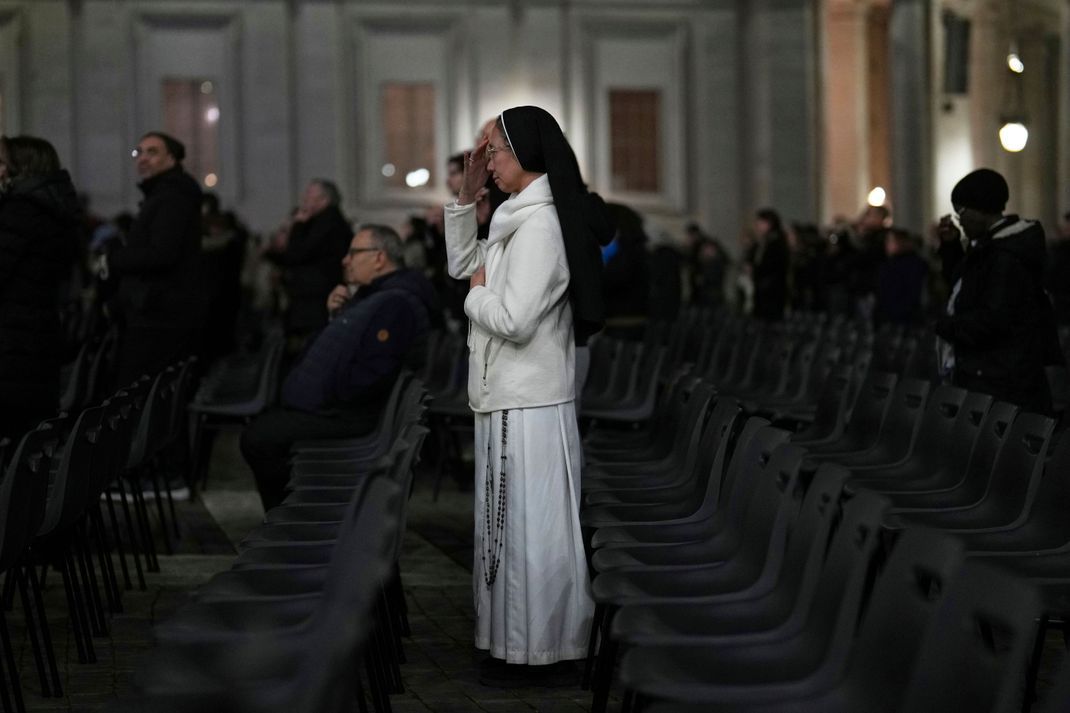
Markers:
(999, 323)
(159, 299)
(38, 234)
(380, 320)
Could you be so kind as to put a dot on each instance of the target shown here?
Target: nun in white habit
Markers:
(535, 294)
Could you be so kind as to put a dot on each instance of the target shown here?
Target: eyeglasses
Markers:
(492, 149)
(355, 251)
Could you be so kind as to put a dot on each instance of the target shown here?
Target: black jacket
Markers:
(38, 233)
(1002, 328)
(770, 275)
(159, 267)
(313, 264)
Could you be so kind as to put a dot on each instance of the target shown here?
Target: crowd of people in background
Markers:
(184, 273)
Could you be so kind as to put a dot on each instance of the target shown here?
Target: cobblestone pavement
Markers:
(441, 673)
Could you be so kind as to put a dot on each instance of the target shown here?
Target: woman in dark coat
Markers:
(38, 233)
(769, 266)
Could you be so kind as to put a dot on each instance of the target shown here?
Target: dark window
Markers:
(634, 136)
(408, 128)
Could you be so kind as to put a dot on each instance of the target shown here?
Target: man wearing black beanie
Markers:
(999, 328)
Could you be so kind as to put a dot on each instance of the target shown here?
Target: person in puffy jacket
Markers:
(998, 327)
(38, 242)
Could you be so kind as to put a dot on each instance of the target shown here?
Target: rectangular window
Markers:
(191, 115)
(408, 125)
(634, 136)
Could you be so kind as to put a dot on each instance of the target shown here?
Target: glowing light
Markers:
(134, 153)
(389, 169)
(210, 180)
(207, 87)
(1013, 136)
(877, 197)
(1015, 63)
(212, 115)
(417, 178)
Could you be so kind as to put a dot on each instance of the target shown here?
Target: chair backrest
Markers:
(713, 451)
(753, 450)
(623, 371)
(991, 436)
(449, 349)
(604, 365)
(71, 476)
(906, 596)
(830, 414)
(809, 537)
(361, 562)
(154, 418)
(23, 491)
(268, 386)
(904, 417)
(1016, 471)
(972, 658)
(645, 391)
(938, 423)
(772, 511)
(687, 443)
(1052, 501)
(958, 450)
(874, 400)
(744, 351)
(841, 589)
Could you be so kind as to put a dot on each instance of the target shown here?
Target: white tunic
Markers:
(539, 609)
(522, 365)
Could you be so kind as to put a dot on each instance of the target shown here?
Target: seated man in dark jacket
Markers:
(999, 323)
(338, 387)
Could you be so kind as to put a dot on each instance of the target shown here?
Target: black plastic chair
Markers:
(304, 666)
(23, 491)
(1010, 490)
(752, 609)
(766, 667)
(944, 439)
(682, 521)
(964, 481)
(898, 430)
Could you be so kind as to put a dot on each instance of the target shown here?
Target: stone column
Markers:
(911, 106)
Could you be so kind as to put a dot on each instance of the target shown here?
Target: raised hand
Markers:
(475, 172)
(337, 299)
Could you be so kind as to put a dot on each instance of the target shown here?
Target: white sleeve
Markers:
(537, 279)
(463, 256)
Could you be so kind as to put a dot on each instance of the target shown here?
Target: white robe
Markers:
(539, 609)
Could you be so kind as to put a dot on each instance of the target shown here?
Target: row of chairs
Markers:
(61, 480)
(692, 478)
(315, 595)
